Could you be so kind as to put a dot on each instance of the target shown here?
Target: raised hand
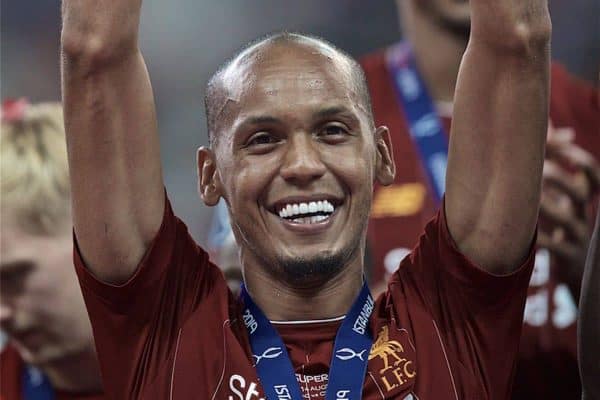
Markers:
(493, 180)
(511, 23)
(112, 141)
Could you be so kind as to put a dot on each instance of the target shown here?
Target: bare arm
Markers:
(498, 133)
(589, 319)
(112, 141)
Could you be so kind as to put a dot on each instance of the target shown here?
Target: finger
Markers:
(556, 136)
(558, 177)
(578, 158)
(563, 249)
(576, 227)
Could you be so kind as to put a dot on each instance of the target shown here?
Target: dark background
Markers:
(184, 41)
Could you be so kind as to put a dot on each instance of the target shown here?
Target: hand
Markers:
(511, 24)
(571, 178)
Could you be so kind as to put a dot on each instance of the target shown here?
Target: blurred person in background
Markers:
(412, 84)
(223, 248)
(49, 353)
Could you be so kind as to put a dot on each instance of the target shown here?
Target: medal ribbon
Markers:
(425, 127)
(35, 385)
(348, 363)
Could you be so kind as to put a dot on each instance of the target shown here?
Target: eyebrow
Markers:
(323, 113)
(261, 119)
(331, 111)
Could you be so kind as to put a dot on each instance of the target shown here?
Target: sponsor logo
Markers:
(360, 324)
(398, 200)
(243, 390)
(396, 368)
(347, 353)
(541, 271)
(546, 304)
(271, 352)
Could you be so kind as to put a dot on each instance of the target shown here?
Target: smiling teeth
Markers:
(297, 212)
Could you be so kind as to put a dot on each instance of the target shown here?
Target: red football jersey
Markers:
(547, 366)
(11, 370)
(445, 329)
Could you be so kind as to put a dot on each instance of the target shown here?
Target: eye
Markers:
(261, 139)
(334, 130)
(334, 133)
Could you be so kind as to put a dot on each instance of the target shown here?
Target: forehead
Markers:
(15, 243)
(18, 240)
(283, 77)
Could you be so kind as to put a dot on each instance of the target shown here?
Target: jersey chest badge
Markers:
(392, 362)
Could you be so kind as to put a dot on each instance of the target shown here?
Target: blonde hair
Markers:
(34, 174)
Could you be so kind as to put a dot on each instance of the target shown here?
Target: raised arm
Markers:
(498, 133)
(116, 178)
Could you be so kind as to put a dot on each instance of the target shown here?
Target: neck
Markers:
(438, 51)
(76, 372)
(281, 301)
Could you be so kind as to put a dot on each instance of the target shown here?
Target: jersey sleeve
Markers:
(136, 324)
(477, 315)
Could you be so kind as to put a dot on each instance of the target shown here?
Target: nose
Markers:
(302, 163)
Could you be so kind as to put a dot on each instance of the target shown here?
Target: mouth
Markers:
(305, 212)
(30, 338)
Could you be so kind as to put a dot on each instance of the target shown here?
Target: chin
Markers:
(47, 353)
(315, 269)
(457, 19)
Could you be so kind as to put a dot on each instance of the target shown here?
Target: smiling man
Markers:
(295, 154)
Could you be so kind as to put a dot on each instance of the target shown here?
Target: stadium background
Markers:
(184, 41)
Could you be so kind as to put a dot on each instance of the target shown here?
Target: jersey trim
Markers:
(309, 321)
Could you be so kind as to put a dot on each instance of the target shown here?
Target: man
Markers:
(294, 153)
(589, 326)
(50, 351)
(437, 33)
(589, 308)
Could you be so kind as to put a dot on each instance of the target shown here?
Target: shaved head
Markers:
(221, 87)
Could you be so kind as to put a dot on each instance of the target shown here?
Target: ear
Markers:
(209, 182)
(385, 168)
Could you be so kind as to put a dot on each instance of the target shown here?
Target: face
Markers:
(296, 161)
(41, 307)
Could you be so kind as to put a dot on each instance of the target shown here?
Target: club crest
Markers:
(392, 362)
